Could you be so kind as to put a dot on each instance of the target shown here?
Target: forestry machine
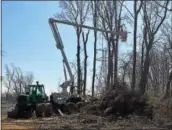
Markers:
(30, 102)
(35, 101)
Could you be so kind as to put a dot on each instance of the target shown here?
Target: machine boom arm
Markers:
(59, 42)
(59, 45)
(83, 26)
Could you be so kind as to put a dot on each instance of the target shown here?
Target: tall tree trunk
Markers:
(117, 24)
(78, 61)
(142, 58)
(109, 65)
(111, 68)
(113, 61)
(136, 12)
(85, 61)
(20, 88)
(143, 80)
(94, 62)
(85, 68)
(116, 61)
(134, 50)
(95, 45)
(168, 86)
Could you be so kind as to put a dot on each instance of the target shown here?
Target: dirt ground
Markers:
(75, 121)
(79, 121)
(82, 120)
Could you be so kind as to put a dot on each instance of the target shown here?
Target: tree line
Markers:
(148, 66)
(16, 81)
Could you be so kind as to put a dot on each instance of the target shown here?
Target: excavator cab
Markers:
(37, 93)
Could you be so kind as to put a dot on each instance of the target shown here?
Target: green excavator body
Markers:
(27, 103)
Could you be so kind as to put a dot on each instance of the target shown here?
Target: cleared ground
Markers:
(84, 120)
(80, 121)
(75, 121)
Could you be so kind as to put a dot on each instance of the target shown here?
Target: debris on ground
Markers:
(118, 108)
(119, 102)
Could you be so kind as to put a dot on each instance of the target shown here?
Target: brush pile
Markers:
(121, 102)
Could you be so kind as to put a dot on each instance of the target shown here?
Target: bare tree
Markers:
(15, 80)
(95, 19)
(19, 78)
(28, 79)
(75, 11)
(110, 19)
(118, 11)
(85, 40)
(8, 80)
(73, 65)
(166, 32)
(136, 12)
(154, 16)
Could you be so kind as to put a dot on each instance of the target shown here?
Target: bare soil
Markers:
(81, 121)
(88, 117)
